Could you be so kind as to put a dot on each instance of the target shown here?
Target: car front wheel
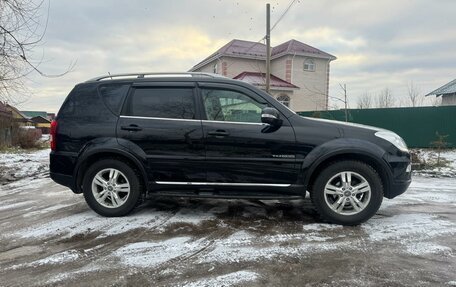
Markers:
(347, 192)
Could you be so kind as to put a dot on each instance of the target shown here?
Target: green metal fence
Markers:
(418, 126)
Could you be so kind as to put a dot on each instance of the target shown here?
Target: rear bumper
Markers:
(63, 179)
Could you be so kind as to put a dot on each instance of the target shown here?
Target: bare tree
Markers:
(385, 99)
(414, 95)
(364, 101)
(21, 30)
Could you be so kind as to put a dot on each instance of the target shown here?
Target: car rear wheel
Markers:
(347, 192)
(111, 188)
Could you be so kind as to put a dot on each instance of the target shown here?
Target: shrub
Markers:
(26, 138)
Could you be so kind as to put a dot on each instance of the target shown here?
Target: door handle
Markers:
(219, 133)
(132, 128)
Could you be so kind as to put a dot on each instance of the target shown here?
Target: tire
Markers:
(352, 202)
(117, 201)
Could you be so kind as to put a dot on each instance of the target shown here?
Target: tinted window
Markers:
(113, 96)
(226, 105)
(83, 101)
(175, 103)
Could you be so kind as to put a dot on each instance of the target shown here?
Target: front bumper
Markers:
(401, 174)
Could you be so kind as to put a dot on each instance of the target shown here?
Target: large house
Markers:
(299, 72)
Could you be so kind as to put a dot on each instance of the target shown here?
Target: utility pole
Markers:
(344, 88)
(268, 47)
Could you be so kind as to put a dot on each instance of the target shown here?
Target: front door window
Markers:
(231, 106)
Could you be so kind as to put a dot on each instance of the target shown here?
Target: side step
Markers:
(225, 195)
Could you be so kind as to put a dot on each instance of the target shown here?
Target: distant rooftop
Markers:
(259, 79)
(449, 88)
(32, 114)
(257, 50)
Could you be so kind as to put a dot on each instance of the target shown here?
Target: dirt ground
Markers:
(49, 237)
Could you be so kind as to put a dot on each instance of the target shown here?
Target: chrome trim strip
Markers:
(155, 118)
(190, 120)
(239, 123)
(223, 183)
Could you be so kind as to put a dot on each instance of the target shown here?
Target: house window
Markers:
(309, 65)
(284, 100)
(215, 68)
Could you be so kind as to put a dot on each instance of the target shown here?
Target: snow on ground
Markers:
(230, 279)
(20, 164)
(48, 235)
(429, 155)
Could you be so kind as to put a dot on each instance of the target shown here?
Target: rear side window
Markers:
(176, 103)
(113, 96)
(83, 101)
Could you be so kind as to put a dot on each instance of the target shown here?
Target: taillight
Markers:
(53, 134)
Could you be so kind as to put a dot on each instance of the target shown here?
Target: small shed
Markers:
(447, 92)
(42, 123)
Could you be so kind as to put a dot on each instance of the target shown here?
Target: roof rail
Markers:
(151, 75)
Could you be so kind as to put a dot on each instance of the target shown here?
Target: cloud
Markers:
(378, 44)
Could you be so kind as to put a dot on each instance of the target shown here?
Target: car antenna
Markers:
(110, 75)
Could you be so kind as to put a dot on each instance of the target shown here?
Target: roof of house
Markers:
(4, 111)
(257, 50)
(15, 110)
(449, 88)
(259, 79)
(32, 114)
(3, 107)
(40, 119)
(295, 47)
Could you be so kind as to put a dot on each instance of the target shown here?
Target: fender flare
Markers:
(107, 146)
(339, 147)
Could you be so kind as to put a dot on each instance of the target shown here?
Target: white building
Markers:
(299, 72)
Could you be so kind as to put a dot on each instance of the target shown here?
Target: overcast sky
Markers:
(378, 44)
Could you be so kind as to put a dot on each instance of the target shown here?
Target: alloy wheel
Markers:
(110, 188)
(347, 193)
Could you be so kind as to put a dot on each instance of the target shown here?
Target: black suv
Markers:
(122, 138)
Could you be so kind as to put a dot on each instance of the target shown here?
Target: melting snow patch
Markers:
(320, 227)
(15, 205)
(63, 257)
(421, 248)
(407, 225)
(59, 258)
(190, 216)
(88, 222)
(241, 247)
(151, 254)
(230, 279)
(22, 164)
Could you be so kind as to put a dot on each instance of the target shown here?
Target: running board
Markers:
(224, 195)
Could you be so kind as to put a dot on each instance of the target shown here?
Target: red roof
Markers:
(293, 46)
(257, 50)
(259, 79)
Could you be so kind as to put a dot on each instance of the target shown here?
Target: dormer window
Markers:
(309, 65)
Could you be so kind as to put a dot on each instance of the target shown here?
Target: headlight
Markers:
(393, 138)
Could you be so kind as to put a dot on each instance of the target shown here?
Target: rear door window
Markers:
(161, 102)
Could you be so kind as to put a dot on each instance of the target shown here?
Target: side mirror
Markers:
(271, 117)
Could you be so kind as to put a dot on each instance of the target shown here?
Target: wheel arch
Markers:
(94, 155)
(369, 154)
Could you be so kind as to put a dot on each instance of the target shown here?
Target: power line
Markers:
(283, 14)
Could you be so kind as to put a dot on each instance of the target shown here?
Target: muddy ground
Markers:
(49, 237)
